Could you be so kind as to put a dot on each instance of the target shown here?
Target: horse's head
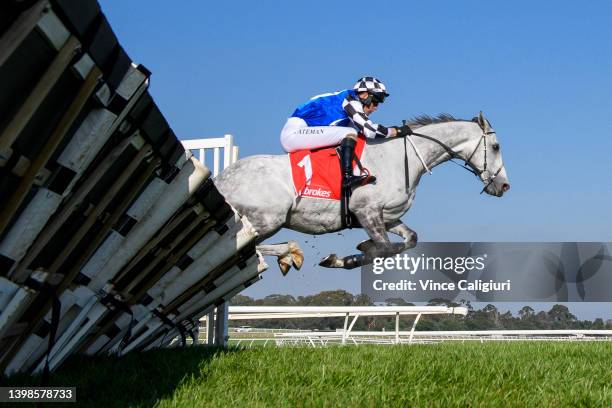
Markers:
(486, 160)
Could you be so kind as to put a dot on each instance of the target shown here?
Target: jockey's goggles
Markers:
(374, 98)
(379, 97)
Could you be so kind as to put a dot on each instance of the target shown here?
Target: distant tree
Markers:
(520, 324)
(542, 316)
(560, 313)
(241, 300)
(328, 298)
(506, 320)
(479, 321)
(442, 302)
(467, 304)
(490, 309)
(526, 313)
(492, 313)
(598, 324)
(362, 300)
(450, 325)
(279, 300)
(397, 302)
(427, 325)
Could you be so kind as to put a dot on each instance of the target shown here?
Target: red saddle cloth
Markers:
(316, 173)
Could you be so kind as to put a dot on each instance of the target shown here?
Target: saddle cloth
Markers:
(316, 173)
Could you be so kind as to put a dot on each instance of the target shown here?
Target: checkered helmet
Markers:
(370, 85)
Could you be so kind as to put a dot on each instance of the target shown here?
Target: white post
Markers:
(414, 327)
(228, 150)
(234, 154)
(397, 316)
(345, 327)
(221, 335)
(216, 160)
(210, 326)
(351, 326)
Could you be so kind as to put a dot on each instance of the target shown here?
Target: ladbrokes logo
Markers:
(316, 192)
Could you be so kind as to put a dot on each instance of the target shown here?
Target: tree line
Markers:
(487, 318)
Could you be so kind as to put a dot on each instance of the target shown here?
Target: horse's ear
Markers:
(483, 122)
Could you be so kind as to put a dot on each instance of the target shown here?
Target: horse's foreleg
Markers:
(372, 222)
(371, 219)
(288, 254)
(398, 228)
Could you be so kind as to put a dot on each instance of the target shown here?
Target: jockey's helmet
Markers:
(377, 91)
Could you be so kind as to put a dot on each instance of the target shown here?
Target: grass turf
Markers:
(470, 374)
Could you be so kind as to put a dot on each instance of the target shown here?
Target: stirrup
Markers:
(362, 180)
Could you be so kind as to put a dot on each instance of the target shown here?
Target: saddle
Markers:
(317, 174)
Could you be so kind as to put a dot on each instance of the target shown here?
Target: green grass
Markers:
(491, 374)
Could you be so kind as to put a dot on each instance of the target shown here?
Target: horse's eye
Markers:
(495, 146)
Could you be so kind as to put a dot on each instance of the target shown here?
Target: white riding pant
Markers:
(297, 135)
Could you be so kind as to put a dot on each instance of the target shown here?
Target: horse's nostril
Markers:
(505, 187)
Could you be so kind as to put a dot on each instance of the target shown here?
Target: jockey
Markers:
(334, 118)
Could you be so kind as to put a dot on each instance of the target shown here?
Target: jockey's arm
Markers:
(354, 110)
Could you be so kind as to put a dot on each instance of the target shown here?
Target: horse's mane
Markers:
(424, 120)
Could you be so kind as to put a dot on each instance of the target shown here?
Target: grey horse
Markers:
(261, 188)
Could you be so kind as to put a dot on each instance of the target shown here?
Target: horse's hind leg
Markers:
(288, 254)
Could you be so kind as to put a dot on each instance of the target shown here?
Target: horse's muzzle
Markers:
(501, 188)
(497, 189)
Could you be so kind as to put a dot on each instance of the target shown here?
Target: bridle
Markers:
(484, 174)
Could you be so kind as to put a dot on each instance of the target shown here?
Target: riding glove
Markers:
(403, 130)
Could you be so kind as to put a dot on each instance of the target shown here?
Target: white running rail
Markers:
(257, 336)
(288, 312)
(377, 337)
(217, 144)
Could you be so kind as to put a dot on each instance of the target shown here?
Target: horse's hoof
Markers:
(284, 264)
(297, 256)
(331, 261)
(365, 246)
(298, 260)
(261, 266)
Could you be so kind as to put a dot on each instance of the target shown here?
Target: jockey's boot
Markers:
(347, 152)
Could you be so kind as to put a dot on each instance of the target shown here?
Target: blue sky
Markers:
(539, 70)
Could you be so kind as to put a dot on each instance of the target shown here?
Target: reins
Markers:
(467, 165)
